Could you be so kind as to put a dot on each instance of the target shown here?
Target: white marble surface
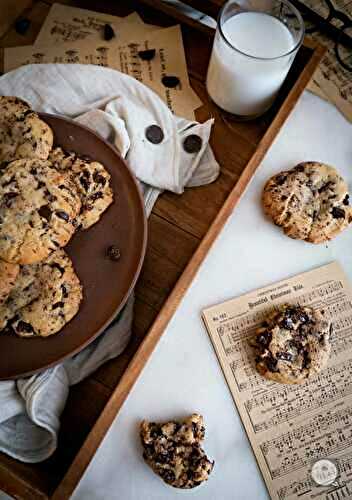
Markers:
(183, 375)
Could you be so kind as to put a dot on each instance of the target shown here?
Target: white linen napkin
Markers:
(120, 109)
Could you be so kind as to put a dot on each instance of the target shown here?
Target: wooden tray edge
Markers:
(136, 365)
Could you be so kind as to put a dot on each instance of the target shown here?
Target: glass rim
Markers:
(296, 46)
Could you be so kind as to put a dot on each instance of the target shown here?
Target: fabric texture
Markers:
(120, 109)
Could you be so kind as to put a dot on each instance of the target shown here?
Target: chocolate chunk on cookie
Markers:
(173, 450)
(92, 182)
(38, 210)
(46, 296)
(25, 289)
(310, 202)
(293, 344)
(22, 133)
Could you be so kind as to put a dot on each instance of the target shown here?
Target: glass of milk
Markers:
(254, 46)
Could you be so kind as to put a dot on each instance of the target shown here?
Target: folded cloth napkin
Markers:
(120, 109)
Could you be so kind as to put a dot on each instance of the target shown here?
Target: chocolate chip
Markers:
(287, 323)
(154, 134)
(338, 213)
(147, 55)
(58, 304)
(346, 200)
(84, 183)
(45, 212)
(325, 187)
(40, 184)
(96, 196)
(23, 117)
(303, 317)
(99, 179)
(21, 25)
(8, 197)
(284, 197)
(271, 363)
(51, 197)
(285, 356)
(192, 144)
(280, 179)
(33, 171)
(264, 339)
(306, 359)
(22, 326)
(113, 252)
(62, 215)
(4, 164)
(57, 266)
(109, 33)
(299, 168)
(168, 476)
(82, 157)
(162, 458)
(170, 81)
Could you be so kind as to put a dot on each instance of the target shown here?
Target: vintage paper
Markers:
(70, 24)
(290, 427)
(123, 56)
(331, 78)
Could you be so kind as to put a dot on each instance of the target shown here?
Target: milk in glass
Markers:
(247, 69)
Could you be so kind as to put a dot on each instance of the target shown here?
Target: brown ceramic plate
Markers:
(106, 284)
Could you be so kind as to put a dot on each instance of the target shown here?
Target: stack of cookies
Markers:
(46, 195)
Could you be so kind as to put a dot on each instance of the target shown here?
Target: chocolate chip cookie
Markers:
(92, 182)
(173, 450)
(25, 289)
(293, 344)
(8, 275)
(46, 297)
(310, 202)
(38, 210)
(22, 133)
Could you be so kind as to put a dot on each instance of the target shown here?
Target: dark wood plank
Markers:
(84, 405)
(168, 252)
(197, 207)
(111, 372)
(10, 11)
(36, 15)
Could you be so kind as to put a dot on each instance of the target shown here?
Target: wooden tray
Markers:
(193, 220)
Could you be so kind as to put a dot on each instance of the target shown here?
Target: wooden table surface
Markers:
(176, 226)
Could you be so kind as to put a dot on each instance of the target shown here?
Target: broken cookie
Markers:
(173, 450)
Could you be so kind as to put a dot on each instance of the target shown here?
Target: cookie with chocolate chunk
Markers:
(25, 289)
(38, 210)
(47, 295)
(293, 344)
(22, 133)
(173, 450)
(8, 275)
(92, 182)
(310, 202)
(57, 303)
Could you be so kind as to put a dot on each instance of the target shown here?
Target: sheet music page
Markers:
(71, 24)
(123, 55)
(332, 79)
(290, 427)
